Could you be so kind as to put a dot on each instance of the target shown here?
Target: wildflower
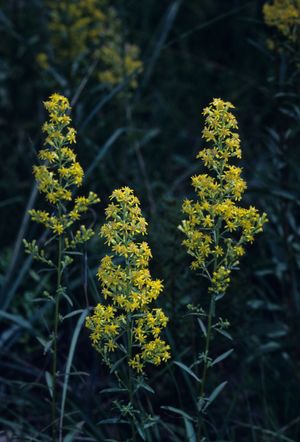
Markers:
(84, 30)
(128, 287)
(284, 15)
(59, 174)
(216, 227)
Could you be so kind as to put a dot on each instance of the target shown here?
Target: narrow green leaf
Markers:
(187, 370)
(190, 431)
(146, 387)
(284, 194)
(112, 420)
(140, 431)
(117, 363)
(74, 313)
(113, 390)
(16, 318)
(69, 364)
(45, 344)
(103, 150)
(221, 357)
(68, 298)
(177, 411)
(224, 333)
(214, 394)
(70, 436)
(49, 381)
(202, 326)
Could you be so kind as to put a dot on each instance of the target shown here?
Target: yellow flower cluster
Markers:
(75, 27)
(59, 174)
(126, 282)
(82, 30)
(284, 15)
(216, 227)
(118, 59)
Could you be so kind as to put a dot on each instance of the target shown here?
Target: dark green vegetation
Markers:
(192, 51)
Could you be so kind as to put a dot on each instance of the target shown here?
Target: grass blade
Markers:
(68, 369)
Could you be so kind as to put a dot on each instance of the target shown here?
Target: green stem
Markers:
(205, 364)
(130, 379)
(55, 332)
(130, 383)
(211, 314)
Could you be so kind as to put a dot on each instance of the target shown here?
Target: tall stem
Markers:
(205, 363)
(130, 383)
(130, 379)
(55, 332)
(211, 313)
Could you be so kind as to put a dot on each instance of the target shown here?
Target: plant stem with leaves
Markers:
(55, 337)
(57, 176)
(217, 228)
(131, 386)
(127, 327)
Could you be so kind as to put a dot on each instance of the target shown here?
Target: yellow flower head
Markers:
(216, 226)
(59, 173)
(127, 285)
(284, 15)
(84, 30)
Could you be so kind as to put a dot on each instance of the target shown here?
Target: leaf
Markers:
(70, 437)
(79, 373)
(37, 300)
(67, 298)
(221, 357)
(190, 431)
(140, 431)
(117, 363)
(146, 387)
(214, 394)
(69, 364)
(45, 344)
(187, 370)
(6, 335)
(177, 411)
(166, 27)
(74, 313)
(278, 332)
(113, 390)
(202, 326)
(16, 318)
(224, 333)
(259, 304)
(102, 151)
(154, 421)
(269, 347)
(112, 420)
(49, 381)
(284, 194)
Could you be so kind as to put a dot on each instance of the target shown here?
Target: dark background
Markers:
(192, 51)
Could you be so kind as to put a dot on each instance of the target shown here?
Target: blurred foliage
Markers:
(284, 17)
(141, 127)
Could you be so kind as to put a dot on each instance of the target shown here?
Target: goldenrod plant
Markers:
(217, 228)
(58, 177)
(284, 17)
(89, 33)
(125, 326)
